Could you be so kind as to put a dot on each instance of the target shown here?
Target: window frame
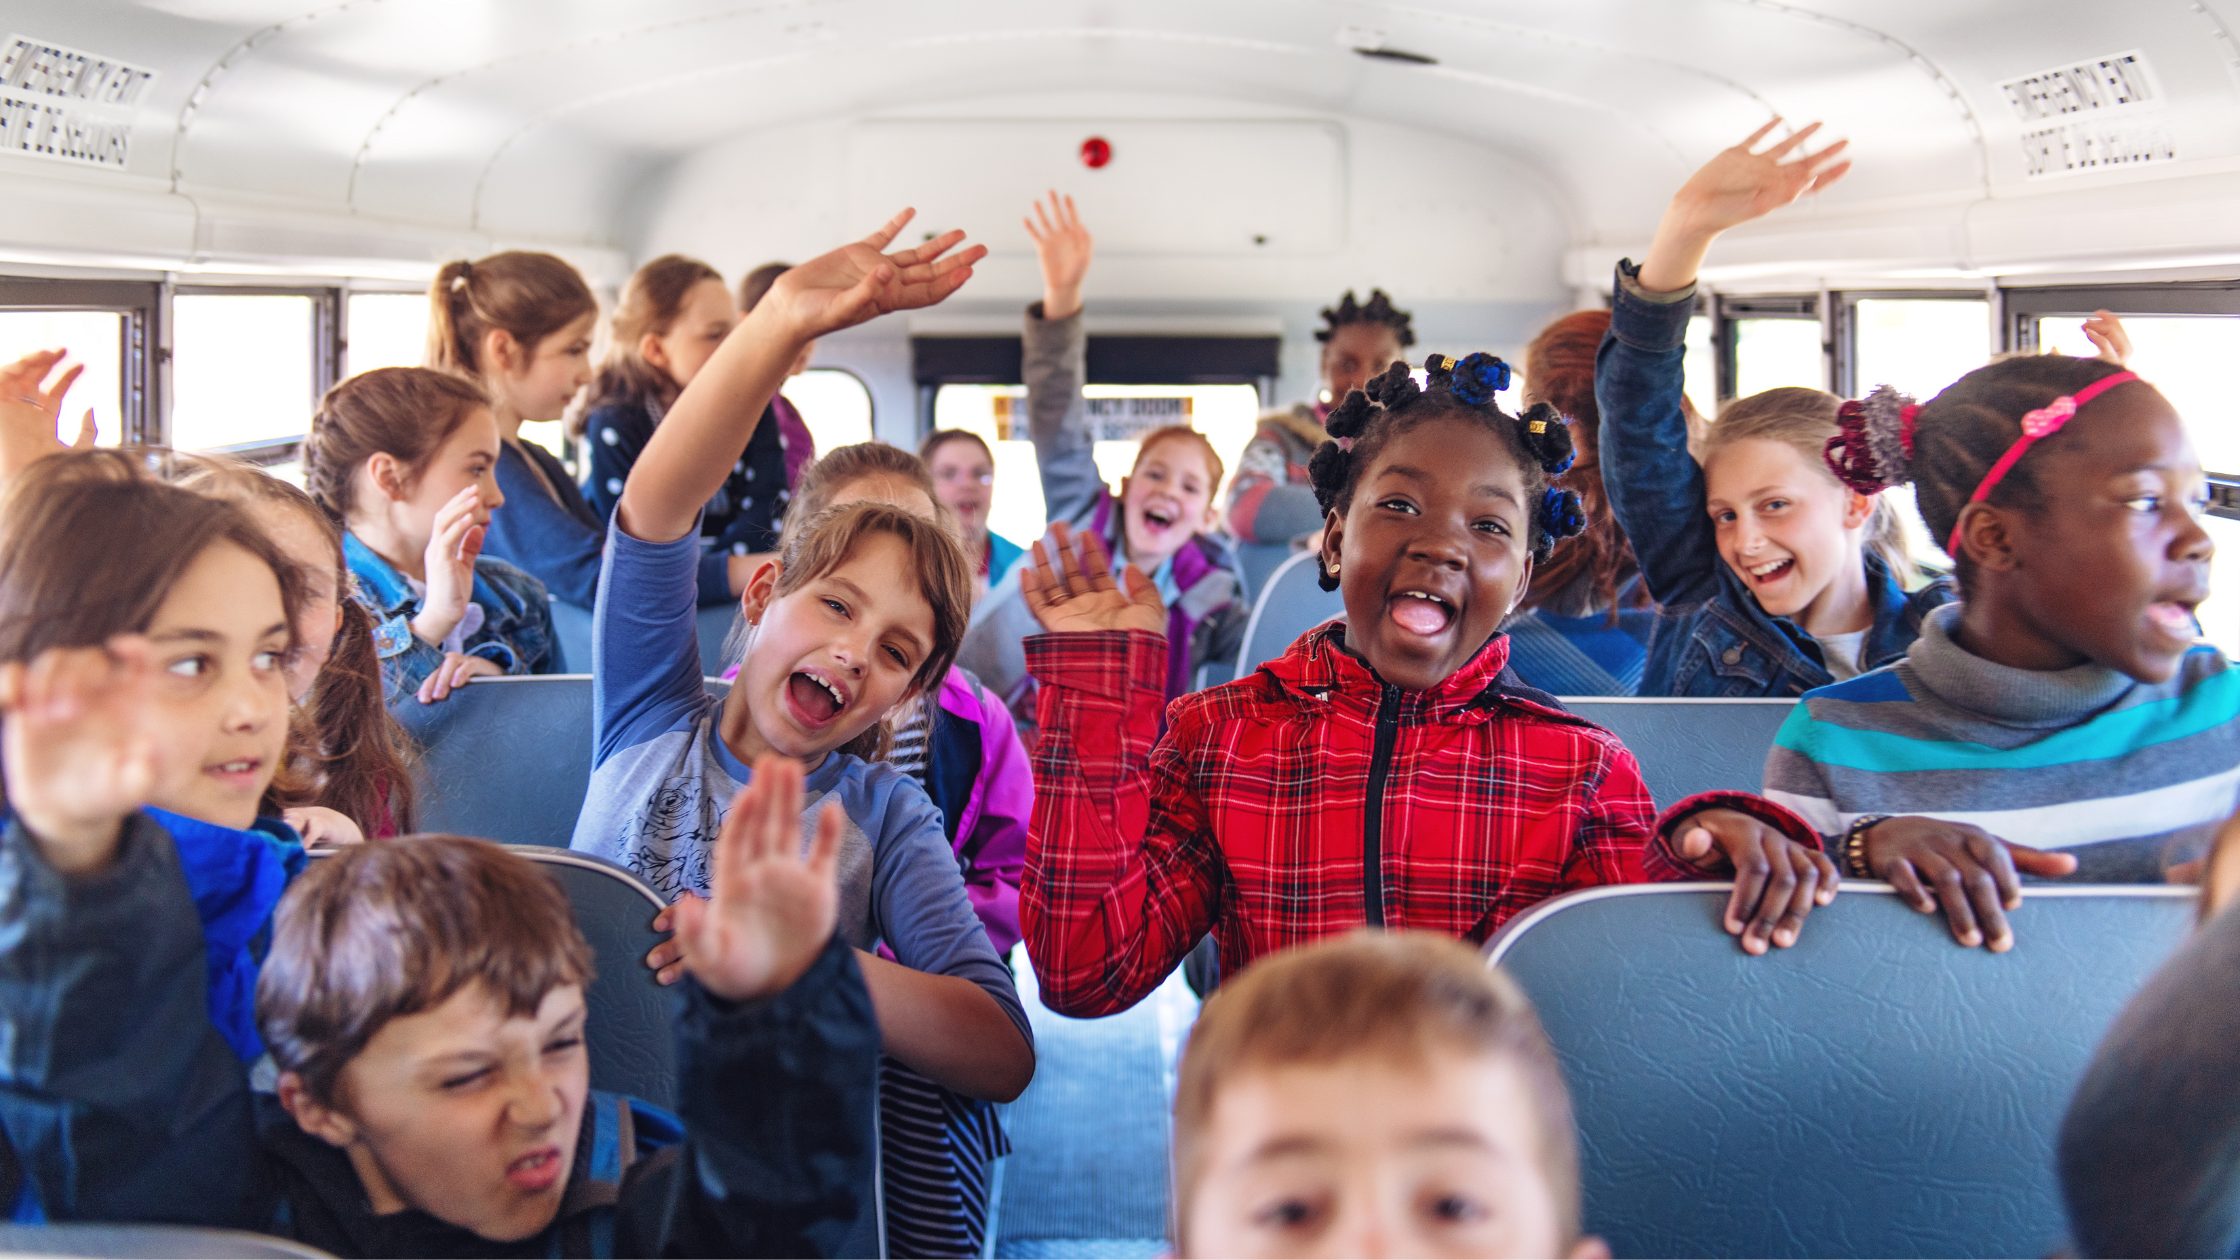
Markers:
(342, 295)
(144, 349)
(1844, 344)
(1728, 310)
(326, 361)
(870, 396)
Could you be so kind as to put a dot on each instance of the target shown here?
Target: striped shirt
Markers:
(2131, 777)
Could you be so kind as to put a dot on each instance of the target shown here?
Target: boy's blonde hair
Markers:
(1804, 420)
(379, 931)
(1396, 996)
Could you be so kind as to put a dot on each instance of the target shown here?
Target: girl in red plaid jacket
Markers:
(1389, 769)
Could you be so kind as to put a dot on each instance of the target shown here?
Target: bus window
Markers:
(834, 404)
(1770, 353)
(1919, 345)
(2185, 357)
(94, 338)
(386, 330)
(1226, 414)
(1699, 369)
(241, 369)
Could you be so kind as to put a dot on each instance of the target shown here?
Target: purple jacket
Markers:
(977, 774)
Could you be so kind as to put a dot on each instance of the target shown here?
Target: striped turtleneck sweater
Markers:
(2131, 777)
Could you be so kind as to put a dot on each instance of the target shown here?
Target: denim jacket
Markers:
(516, 633)
(1712, 638)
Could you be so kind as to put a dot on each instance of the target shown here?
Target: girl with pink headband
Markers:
(2063, 720)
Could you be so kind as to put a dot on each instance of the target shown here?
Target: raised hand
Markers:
(31, 411)
(453, 546)
(1064, 248)
(861, 281)
(769, 910)
(1740, 184)
(80, 750)
(1069, 587)
(1777, 882)
(1974, 875)
(2106, 334)
(453, 673)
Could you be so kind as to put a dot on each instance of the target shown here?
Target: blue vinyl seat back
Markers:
(631, 1032)
(1690, 746)
(507, 759)
(135, 1242)
(1874, 1091)
(1291, 604)
(1259, 561)
(572, 626)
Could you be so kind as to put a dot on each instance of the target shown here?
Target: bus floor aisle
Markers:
(1087, 1176)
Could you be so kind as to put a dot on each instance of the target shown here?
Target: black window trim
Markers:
(144, 349)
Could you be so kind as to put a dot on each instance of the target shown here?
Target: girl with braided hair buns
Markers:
(1271, 499)
(1389, 768)
(2064, 719)
(1770, 576)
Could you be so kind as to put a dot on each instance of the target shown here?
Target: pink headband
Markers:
(2040, 424)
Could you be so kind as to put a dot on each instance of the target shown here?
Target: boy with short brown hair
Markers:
(1375, 1094)
(424, 1000)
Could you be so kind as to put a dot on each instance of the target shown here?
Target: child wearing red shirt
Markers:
(1389, 769)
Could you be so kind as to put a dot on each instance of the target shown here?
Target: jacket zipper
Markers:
(1372, 831)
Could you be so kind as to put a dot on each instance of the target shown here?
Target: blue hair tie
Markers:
(1562, 513)
(1477, 378)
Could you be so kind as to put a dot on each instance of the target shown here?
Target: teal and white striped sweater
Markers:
(2131, 777)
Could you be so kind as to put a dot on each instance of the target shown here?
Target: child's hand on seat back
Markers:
(80, 751)
(861, 281)
(1069, 587)
(769, 910)
(1777, 882)
(1974, 875)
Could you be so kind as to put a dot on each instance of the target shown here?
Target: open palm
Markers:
(1069, 587)
(769, 910)
(1061, 244)
(861, 281)
(1740, 185)
(80, 745)
(31, 411)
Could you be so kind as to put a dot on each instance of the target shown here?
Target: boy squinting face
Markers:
(1166, 501)
(827, 661)
(2114, 566)
(1433, 551)
(1371, 1158)
(463, 1111)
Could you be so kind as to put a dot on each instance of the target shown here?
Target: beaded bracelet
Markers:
(1855, 846)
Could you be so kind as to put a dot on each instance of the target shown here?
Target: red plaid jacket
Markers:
(1251, 817)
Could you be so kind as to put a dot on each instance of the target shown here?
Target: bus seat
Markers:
(714, 624)
(1876, 1090)
(507, 759)
(1259, 562)
(571, 629)
(632, 1037)
(145, 1242)
(1290, 604)
(1690, 746)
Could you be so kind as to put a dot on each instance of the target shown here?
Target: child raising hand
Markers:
(1388, 770)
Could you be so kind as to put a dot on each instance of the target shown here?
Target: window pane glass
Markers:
(386, 330)
(1770, 353)
(93, 338)
(1226, 414)
(1700, 370)
(2186, 356)
(1920, 345)
(835, 406)
(241, 369)
(2220, 613)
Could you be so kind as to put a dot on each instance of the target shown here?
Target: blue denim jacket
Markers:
(1712, 638)
(516, 633)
